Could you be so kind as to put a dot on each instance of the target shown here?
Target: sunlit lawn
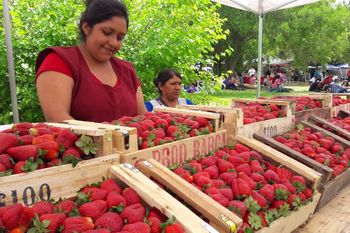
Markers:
(223, 97)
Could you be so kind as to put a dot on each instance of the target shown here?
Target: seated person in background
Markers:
(334, 87)
(169, 85)
(276, 83)
(231, 82)
(325, 82)
(314, 84)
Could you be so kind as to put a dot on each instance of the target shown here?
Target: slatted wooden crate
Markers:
(213, 117)
(336, 109)
(179, 151)
(124, 138)
(324, 112)
(216, 214)
(329, 188)
(54, 182)
(270, 127)
(228, 117)
(331, 127)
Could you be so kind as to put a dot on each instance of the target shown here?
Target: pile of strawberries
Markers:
(254, 112)
(341, 122)
(27, 147)
(241, 180)
(302, 102)
(101, 208)
(337, 100)
(157, 128)
(317, 146)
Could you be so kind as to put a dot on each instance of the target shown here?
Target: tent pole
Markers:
(11, 69)
(261, 18)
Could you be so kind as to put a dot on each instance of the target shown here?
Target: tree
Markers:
(169, 33)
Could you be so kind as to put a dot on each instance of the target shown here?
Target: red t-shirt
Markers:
(91, 99)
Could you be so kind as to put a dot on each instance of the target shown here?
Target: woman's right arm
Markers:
(54, 90)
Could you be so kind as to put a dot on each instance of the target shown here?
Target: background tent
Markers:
(260, 8)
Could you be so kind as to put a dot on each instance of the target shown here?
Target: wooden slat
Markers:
(221, 218)
(155, 196)
(101, 125)
(337, 109)
(55, 182)
(342, 132)
(300, 168)
(305, 115)
(179, 151)
(341, 140)
(324, 170)
(343, 113)
(262, 101)
(208, 115)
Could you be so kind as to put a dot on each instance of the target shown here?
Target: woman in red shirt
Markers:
(86, 82)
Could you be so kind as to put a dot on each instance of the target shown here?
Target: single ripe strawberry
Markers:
(6, 161)
(111, 221)
(94, 209)
(101, 230)
(43, 207)
(154, 212)
(154, 222)
(268, 191)
(133, 213)
(66, 138)
(131, 196)
(11, 215)
(22, 153)
(173, 228)
(55, 220)
(64, 206)
(111, 185)
(77, 224)
(114, 199)
(213, 171)
(138, 227)
(71, 155)
(95, 193)
(238, 207)
(7, 140)
(25, 140)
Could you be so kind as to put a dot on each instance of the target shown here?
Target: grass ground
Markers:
(223, 97)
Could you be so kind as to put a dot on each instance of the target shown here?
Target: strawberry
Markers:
(246, 178)
(111, 221)
(225, 166)
(95, 193)
(66, 138)
(258, 178)
(294, 201)
(114, 199)
(245, 168)
(131, 196)
(221, 154)
(49, 149)
(11, 215)
(241, 148)
(218, 183)
(235, 160)
(278, 204)
(94, 209)
(26, 217)
(212, 190)
(161, 123)
(173, 228)
(7, 140)
(138, 227)
(6, 161)
(204, 182)
(237, 207)
(54, 162)
(284, 173)
(171, 130)
(55, 221)
(64, 206)
(209, 161)
(133, 213)
(271, 176)
(25, 166)
(227, 177)
(245, 156)
(200, 174)
(43, 138)
(25, 140)
(155, 224)
(22, 153)
(268, 191)
(289, 185)
(259, 199)
(255, 166)
(100, 230)
(213, 171)
(298, 182)
(111, 185)
(221, 199)
(77, 224)
(281, 192)
(71, 155)
(154, 212)
(43, 207)
(227, 192)
(240, 188)
(308, 193)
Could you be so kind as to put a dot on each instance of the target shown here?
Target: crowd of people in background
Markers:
(329, 82)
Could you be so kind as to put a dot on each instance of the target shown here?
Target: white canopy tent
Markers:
(260, 8)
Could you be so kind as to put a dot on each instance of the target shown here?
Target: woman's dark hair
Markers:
(163, 77)
(97, 11)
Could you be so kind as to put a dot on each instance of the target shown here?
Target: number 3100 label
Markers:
(28, 195)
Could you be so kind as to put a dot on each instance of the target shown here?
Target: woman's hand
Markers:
(141, 109)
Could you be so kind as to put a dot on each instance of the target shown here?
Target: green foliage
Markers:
(167, 34)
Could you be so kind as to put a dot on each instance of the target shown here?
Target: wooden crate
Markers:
(179, 151)
(228, 117)
(156, 197)
(102, 137)
(124, 138)
(54, 182)
(217, 214)
(336, 109)
(214, 117)
(328, 188)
